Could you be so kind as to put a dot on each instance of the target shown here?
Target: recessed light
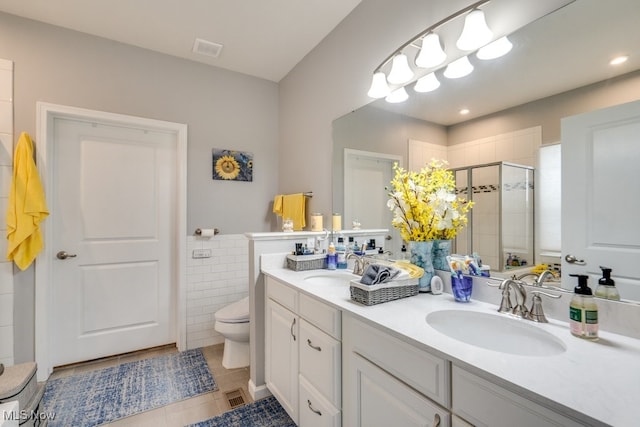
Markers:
(464, 111)
(619, 60)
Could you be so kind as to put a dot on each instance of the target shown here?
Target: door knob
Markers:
(65, 255)
(573, 260)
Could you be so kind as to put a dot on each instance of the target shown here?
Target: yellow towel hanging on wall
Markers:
(27, 207)
(293, 207)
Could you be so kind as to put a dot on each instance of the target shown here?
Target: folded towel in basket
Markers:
(376, 274)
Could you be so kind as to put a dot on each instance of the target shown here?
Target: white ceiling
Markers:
(277, 33)
(267, 38)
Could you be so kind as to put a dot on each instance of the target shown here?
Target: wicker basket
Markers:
(306, 262)
(384, 292)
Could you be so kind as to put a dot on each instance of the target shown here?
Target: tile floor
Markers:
(186, 411)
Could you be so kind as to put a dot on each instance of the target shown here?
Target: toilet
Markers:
(232, 322)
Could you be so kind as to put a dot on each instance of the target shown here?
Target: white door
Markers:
(113, 209)
(601, 196)
(366, 175)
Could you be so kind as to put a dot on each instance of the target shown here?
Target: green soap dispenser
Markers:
(606, 286)
(583, 311)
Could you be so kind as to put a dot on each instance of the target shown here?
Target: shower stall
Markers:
(501, 222)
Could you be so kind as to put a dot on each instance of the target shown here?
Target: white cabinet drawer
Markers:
(423, 371)
(315, 410)
(321, 315)
(320, 361)
(286, 296)
(483, 403)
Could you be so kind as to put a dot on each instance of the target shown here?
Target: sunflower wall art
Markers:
(231, 165)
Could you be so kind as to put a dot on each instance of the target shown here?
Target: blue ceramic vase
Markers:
(441, 249)
(421, 254)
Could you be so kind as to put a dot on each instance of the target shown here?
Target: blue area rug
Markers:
(266, 412)
(98, 397)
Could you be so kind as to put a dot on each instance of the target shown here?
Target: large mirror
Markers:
(558, 67)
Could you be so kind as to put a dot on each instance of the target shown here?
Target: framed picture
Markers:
(232, 165)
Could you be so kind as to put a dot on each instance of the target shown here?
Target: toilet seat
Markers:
(237, 312)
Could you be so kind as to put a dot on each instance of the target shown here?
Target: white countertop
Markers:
(598, 379)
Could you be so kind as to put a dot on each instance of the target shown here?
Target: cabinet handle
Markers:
(292, 325)
(436, 421)
(313, 410)
(313, 346)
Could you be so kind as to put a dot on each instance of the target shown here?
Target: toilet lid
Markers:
(237, 312)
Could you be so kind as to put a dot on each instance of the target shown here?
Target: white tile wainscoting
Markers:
(214, 282)
(6, 163)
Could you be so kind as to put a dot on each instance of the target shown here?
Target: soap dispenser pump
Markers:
(583, 311)
(606, 286)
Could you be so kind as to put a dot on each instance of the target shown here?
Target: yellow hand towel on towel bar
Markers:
(27, 207)
(293, 207)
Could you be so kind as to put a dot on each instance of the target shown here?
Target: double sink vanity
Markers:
(428, 360)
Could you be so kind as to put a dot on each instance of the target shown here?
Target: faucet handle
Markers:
(505, 304)
(537, 313)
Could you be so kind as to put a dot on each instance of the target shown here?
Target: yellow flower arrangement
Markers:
(425, 205)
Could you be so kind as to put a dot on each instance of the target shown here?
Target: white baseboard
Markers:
(259, 392)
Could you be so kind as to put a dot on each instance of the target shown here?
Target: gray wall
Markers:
(373, 129)
(222, 109)
(547, 112)
(333, 80)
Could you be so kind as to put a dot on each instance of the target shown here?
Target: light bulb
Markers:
(475, 33)
(379, 87)
(400, 73)
(619, 60)
(458, 68)
(427, 83)
(431, 53)
(495, 49)
(398, 95)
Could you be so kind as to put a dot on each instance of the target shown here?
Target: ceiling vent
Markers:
(204, 47)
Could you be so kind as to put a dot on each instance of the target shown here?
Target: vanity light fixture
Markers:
(427, 83)
(431, 53)
(458, 68)
(475, 33)
(397, 96)
(379, 87)
(619, 60)
(400, 73)
(495, 49)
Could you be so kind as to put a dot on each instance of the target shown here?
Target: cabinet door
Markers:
(281, 356)
(375, 398)
(600, 195)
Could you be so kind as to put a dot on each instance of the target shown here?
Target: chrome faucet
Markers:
(539, 278)
(520, 310)
(359, 265)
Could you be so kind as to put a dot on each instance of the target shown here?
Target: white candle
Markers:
(316, 222)
(337, 222)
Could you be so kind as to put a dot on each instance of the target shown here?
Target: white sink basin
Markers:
(331, 278)
(496, 332)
